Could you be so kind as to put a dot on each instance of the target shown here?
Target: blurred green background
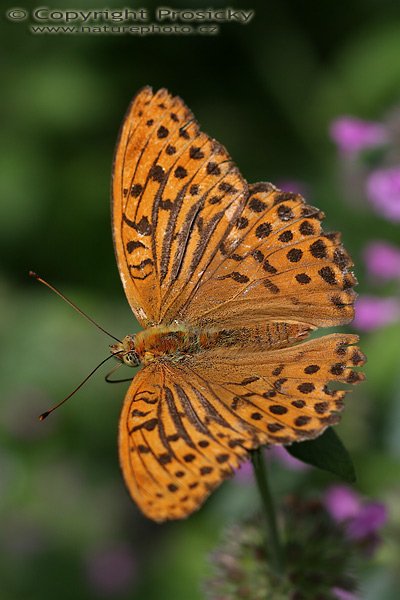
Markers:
(268, 91)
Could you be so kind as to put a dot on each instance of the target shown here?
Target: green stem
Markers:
(274, 547)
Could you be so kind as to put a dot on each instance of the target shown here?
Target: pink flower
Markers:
(290, 462)
(244, 474)
(342, 594)
(342, 502)
(373, 312)
(352, 135)
(369, 519)
(382, 260)
(383, 190)
(362, 519)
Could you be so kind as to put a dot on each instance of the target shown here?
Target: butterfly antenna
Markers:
(80, 311)
(44, 415)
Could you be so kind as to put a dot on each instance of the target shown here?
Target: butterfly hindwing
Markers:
(174, 442)
(285, 393)
(184, 428)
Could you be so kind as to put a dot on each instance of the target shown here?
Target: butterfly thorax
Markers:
(178, 342)
(173, 342)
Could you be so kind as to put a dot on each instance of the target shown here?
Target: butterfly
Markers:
(227, 279)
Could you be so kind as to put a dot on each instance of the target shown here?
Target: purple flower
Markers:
(289, 461)
(342, 594)
(244, 474)
(362, 519)
(352, 135)
(373, 312)
(112, 570)
(342, 502)
(383, 190)
(370, 518)
(382, 260)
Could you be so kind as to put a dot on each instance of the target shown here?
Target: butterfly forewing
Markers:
(176, 194)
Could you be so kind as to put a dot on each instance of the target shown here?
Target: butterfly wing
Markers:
(194, 245)
(184, 428)
(276, 264)
(176, 193)
(174, 442)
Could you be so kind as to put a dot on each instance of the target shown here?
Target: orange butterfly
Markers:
(226, 278)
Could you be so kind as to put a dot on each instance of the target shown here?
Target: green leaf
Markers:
(325, 452)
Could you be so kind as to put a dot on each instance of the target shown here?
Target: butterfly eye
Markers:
(131, 359)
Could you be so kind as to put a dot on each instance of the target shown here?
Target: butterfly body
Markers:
(179, 342)
(227, 279)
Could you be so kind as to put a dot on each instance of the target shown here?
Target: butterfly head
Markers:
(125, 351)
